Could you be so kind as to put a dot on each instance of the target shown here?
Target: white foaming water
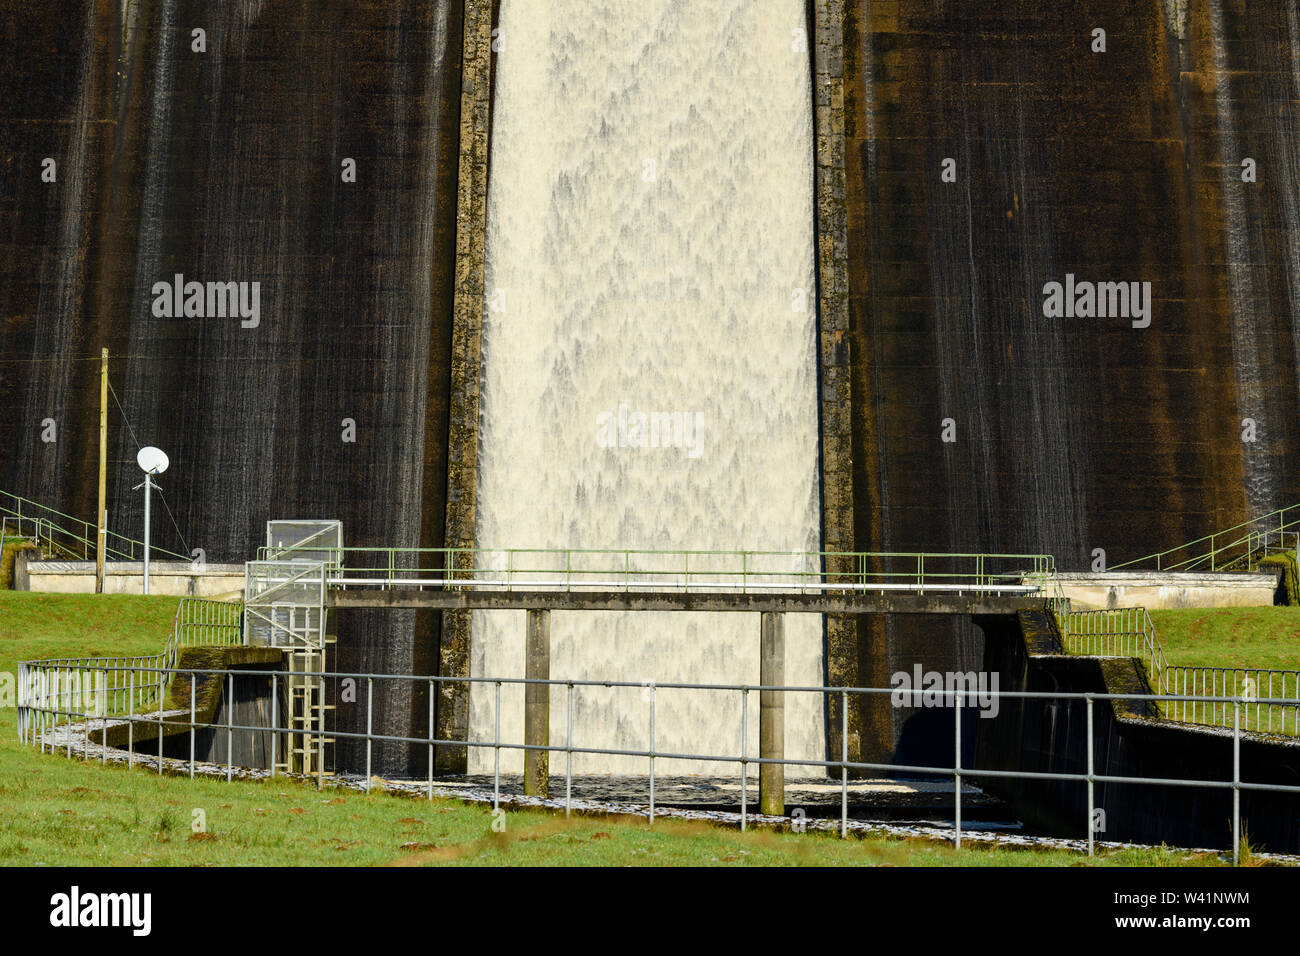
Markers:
(650, 247)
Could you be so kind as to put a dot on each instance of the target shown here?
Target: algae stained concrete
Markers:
(1070, 434)
(226, 165)
(1130, 740)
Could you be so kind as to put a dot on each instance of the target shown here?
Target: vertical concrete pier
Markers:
(771, 715)
(537, 703)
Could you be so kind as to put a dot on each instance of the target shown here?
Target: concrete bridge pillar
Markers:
(771, 715)
(537, 703)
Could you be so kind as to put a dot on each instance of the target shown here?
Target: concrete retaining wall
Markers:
(1159, 590)
(1130, 740)
(178, 578)
(249, 706)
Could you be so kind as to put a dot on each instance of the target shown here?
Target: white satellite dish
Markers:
(152, 461)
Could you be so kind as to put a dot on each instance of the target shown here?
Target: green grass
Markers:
(1265, 637)
(56, 811)
(8, 554)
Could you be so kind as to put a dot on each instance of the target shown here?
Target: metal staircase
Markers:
(284, 607)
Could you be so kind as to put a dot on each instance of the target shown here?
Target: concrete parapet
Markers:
(176, 578)
(1161, 590)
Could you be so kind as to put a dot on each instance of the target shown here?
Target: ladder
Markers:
(308, 750)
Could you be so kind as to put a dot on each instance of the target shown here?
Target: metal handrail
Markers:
(1271, 697)
(688, 570)
(1117, 632)
(1129, 632)
(1280, 522)
(38, 725)
(76, 543)
(198, 622)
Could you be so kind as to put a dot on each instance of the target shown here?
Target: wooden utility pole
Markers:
(102, 535)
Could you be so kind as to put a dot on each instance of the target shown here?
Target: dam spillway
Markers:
(650, 337)
(1071, 436)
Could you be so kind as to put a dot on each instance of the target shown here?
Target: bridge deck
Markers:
(943, 601)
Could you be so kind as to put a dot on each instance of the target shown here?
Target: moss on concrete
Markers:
(1285, 561)
(207, 690)
(8, 556)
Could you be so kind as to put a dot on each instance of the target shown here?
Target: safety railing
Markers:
(687, 571)
(1269, 699)
(284, 603)
(70, 537)
(55, 724)
(131, 684)
(1117, 632)
(1224, 549)
(40, 533)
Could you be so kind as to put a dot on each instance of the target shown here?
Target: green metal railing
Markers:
(109, 684)
(65, 535)
(683, 570)
(1271, 698)
(1227, 548)
(1118, 632)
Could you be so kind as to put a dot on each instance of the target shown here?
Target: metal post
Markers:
(1092, 804)
(87, 698)
(67, 696)
(21, 714)
(568, 753)
(537, 703)
(320, 730)
(370, 725)
(230, 716)
(148, 485)
(275, 719)
(844, 768)
(130, 720)
(744, 762)
(956, 766)
(496, 752)
(771, 715)
(1236, 782)
(431, 694)
(103, 724)
(652, 755)
(192, 726)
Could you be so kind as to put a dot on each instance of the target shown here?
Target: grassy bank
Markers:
(56, 811)
(1267, 637)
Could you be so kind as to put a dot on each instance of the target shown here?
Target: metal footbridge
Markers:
(312, 563)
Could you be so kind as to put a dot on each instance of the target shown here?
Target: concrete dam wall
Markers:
(927, 320)
(1130, 739)
(1071, 434)
(227, 165)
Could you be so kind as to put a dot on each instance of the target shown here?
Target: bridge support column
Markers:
(537, 703)
(771, 715)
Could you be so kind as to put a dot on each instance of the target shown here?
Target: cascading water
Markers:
(650, 249)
